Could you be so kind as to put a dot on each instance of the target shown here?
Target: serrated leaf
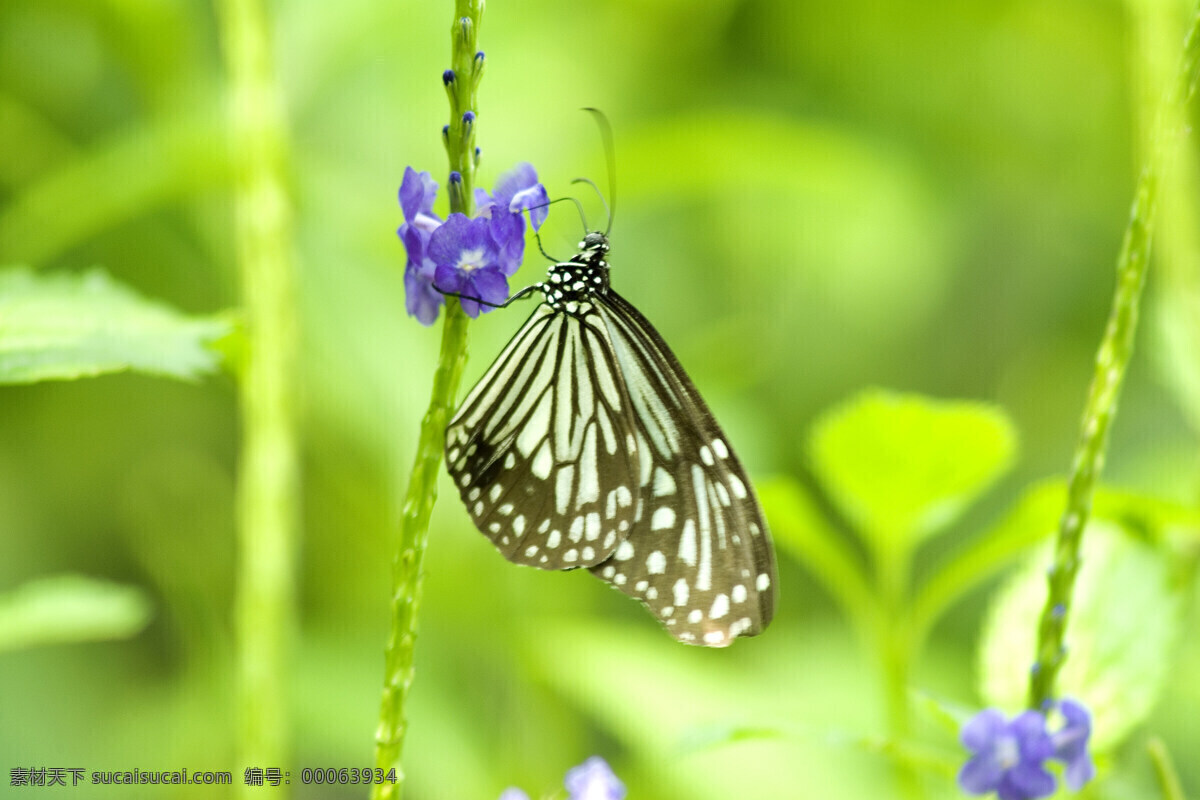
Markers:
(901, 467)
(66, 326)
(70, 608)
(1125, 617)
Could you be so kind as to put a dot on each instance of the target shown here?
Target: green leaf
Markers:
(901, 467)
(1125, 617)
(1030, 521)
(70, 608)
(802, 531)
(68, 326)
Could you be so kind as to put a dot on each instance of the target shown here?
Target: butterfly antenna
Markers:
(609, 156)
(582, 218)
(599, 194)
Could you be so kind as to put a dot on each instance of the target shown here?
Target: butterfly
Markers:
(585, 444)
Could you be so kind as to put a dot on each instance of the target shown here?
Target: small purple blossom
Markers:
(1009, 756)
(416, 201)
(1070, 744)
(594, 780)
(469, 257)
(591, 780)
(468, 262)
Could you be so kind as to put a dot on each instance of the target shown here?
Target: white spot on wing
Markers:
(720, 449)
(656, 563)
(663, 519)
(720, 607)
(543, 462)
(589, 478)
(763, 582)
(664, 484)
(624, 552)
(563, 483)
(687, 543)
(681, 592)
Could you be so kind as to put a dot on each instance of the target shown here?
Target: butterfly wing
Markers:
(699, 555)
(543, 451)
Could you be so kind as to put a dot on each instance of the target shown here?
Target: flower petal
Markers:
(594, 780)
(535, 200)
(1030, 730)
(483, 202)
(488, 284)
(1028, 780)
(1079, 771)
(522, 176)
(508, 234)
(449, 279)
(417, 192)
(981, 774)
(981, 730)
(513, 793)
(421, 300)
(415, 241)
(457, 235)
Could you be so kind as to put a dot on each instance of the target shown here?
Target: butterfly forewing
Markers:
(543, 451)
(700, 558)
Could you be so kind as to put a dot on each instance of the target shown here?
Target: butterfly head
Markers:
(593, 248)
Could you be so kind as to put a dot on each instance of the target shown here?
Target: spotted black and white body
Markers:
(586, 445)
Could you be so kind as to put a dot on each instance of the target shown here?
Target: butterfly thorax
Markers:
(571, 284)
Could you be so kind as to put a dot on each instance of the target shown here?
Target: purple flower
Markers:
(1070, 744)
(1009, 756)
(471, 257)
(517, 190)
(416, 201)
(468, 262)
(591, 780)
(594, 780)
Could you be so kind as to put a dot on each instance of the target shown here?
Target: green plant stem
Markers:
(407, 573)
(1164, 768)
(896, 650)
(268, 482)
(1112, 361)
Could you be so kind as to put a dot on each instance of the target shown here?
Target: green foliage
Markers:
(812, 198)
(65, 609)
(902, 467)
(1125, 619)
(67, 326)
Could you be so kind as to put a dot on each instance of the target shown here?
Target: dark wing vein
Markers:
(541, 450)
(699, 555)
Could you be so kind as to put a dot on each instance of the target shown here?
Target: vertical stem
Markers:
(896, 650)
(267, 498)
(459, 138)
(1112, 360)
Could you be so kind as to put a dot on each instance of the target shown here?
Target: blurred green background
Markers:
(812, 198)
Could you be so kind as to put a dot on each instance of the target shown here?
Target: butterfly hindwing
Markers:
(700, 558)
(542, 450)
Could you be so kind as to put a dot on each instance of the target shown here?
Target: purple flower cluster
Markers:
(591, 780)
(470, 256)
(1010, 755)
